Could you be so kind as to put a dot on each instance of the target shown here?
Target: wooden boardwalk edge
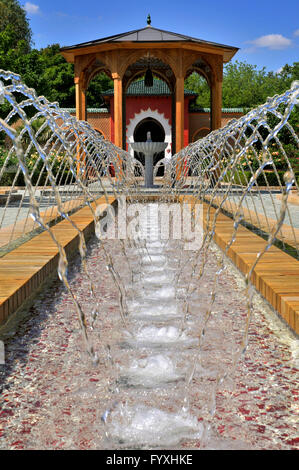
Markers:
(25, 269)
(276, 275)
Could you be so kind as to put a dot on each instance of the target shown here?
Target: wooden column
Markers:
(80, 115)
(216, 105)
(216, 94)
(80, 100)
(117, 110)
(179, 112)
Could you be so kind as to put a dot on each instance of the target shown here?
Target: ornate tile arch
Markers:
(149, 113)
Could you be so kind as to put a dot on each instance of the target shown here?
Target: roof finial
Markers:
(149, 20)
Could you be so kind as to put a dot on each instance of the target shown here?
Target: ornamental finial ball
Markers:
(149, 20)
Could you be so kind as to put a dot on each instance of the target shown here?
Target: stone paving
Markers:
(269, 205)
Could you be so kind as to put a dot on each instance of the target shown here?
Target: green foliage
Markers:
(99, 84)
(198, 83)
(56, 78)
(254, 158)
(42, 132)
(44, 70)
(288, 75)
(244, 86)
(15, 25)
(58, 163)
(3, 155)
(268, 178)
(49, 74)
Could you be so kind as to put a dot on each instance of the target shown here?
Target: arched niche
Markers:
(146, 114)
(200, 133)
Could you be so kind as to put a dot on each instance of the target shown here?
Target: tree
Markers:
(54, 77)
(97, 86)
(245, 86)
(288, 75)
(198, 83)
(14, 16)
(45, 70)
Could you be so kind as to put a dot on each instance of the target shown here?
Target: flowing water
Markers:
(170, 350)
(54, 398)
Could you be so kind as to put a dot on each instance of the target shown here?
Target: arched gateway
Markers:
(153, 121)
(169, 56)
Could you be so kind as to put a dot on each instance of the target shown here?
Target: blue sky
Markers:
(266, 31)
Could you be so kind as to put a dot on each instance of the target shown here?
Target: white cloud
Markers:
(296, 33)
(31, 8)
(272, 41)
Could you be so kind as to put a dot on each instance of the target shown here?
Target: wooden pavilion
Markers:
(169, 56)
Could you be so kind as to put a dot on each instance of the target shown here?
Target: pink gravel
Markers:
(52, 397)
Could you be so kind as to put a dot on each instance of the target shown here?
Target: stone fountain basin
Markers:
(149, 148)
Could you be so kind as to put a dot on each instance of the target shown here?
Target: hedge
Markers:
(272, 180)
(8, 178)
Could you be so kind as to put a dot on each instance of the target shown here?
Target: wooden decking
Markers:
(13, 232)
(287, 234)
(276, 276)
(24, 269)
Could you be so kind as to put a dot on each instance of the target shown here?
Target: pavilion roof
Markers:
(149, 34)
